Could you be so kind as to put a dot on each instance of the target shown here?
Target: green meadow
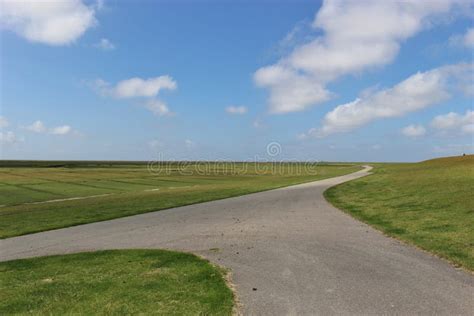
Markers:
(429, 204)
(38, 196)
(114, 282)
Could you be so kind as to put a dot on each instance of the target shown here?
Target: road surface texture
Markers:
(290, 252)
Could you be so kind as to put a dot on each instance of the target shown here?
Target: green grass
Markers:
(131, 188)
(429, 204)
(119, 282)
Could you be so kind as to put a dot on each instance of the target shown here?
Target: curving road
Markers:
(290, 252)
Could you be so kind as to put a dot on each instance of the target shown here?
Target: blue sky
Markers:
(140, 80)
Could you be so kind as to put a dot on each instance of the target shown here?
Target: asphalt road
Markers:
(290, 252)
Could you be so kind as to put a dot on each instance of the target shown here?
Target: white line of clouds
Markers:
(136, 87)
(39, 127)
(417, 92)
(357, 35)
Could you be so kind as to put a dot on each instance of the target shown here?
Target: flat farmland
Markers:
(38, 196)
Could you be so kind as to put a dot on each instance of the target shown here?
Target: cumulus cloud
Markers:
(39, 127)
(139, 88)
(357, 35)
(419, 91)
(36, 127)
(61, 130)
(413, 130)
(158, 107)
(290, 91)
(3, 122)
(136, 87)
(455, 122)
(236, 110)
(105, 44)
(56, 22)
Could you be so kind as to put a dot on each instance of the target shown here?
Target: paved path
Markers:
(290, 251)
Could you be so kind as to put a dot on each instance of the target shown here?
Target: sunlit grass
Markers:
(130, 189)
(116, 282)
(429, 204)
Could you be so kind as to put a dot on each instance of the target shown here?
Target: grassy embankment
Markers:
(125, 282)
(120, 189)
(429, 204)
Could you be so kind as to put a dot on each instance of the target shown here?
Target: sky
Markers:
(236, 80)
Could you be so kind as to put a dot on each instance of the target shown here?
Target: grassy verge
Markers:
(114, 282)
(128, 190)
(429, 204)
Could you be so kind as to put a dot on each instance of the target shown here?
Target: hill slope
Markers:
(429, 204)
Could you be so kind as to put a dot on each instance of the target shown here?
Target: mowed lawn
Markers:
(120, 190)
(429, 204)
(114, 282)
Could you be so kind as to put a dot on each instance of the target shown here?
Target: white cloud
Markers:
(466, 39)
(8, 138)
(39, 127)
(55, 22)
(158, 107)
(138, 87)
(296, 36)
(105, 44)
(357, 35)
(289, 91)
(238, 110)
(469, 38)
(419, 91)
(413, 130)
(61, 130)
(3, 122)
(455, 122)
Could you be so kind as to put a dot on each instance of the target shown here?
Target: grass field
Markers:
(429, 204)
(121, 189)
(125, 282)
